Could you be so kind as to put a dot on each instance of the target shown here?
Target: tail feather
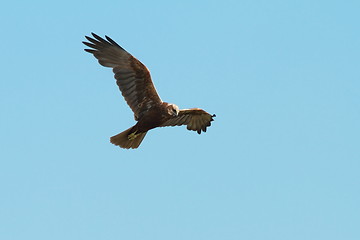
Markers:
(122, 140)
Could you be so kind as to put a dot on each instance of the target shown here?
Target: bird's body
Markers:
(135, 84)
(152, 119)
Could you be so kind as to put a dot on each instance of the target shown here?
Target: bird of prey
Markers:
(136, 86)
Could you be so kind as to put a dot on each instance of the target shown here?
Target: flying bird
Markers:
(136, 86)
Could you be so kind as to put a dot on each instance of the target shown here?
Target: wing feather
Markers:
(195, 119)
(132, 77)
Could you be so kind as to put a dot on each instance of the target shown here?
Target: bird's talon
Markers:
(132, 136)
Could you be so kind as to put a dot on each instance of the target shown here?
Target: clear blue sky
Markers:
(281, 160)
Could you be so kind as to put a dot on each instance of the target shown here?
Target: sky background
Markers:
(280, 161)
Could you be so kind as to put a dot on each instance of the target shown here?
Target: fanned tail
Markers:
(128, 139)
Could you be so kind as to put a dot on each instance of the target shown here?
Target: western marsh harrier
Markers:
(135, 84)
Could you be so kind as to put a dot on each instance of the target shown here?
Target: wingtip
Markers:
(94, 35)
(96, 39)
(89, 38)
(113, 42)
(92, 51)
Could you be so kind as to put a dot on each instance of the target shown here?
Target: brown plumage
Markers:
(135, 84)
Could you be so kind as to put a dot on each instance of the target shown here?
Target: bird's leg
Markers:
(132, 136)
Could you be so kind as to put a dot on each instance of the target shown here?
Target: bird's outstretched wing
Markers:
(132, 77)
(196, 119)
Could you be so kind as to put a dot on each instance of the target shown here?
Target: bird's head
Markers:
(173, 110)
